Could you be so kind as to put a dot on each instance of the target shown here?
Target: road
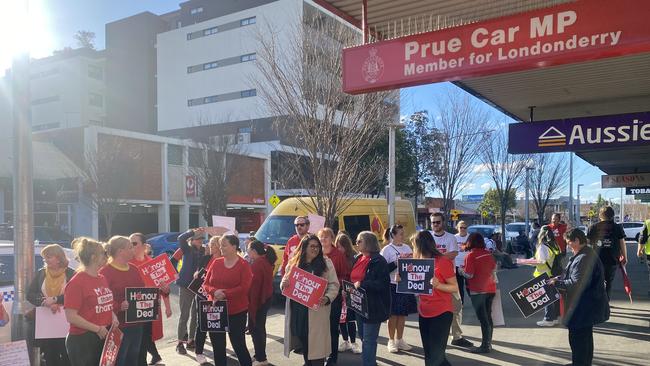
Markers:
(622, 340)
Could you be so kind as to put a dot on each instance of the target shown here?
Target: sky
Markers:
(52, 24)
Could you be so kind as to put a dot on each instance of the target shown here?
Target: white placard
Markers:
(497, 310)
(14, 354)
(224, 221)
(50, 325)
(460, 259)
(7, 294)
(315, 223)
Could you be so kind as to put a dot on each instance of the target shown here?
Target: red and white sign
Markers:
(190, 186)
(305, 287)
(111, 347)
(569, 33)
(158, 271)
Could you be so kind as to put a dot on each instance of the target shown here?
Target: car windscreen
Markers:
(516, 227)
(485, 231)
(7, 268)
(276, 230)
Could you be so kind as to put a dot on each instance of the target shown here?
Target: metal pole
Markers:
(571, 187)
(364, 21)
(391, 174)
(622, 207)
(526, 209)
(578, 206)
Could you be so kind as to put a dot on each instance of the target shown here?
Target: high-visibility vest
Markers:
(646, 228)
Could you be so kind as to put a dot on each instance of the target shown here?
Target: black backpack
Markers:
(556, 266)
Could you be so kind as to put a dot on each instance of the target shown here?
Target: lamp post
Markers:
(526, 208)
(578, 222)
(391, 172)
(571, 209)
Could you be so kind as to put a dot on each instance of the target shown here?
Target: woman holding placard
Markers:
(436, 310)
(348, 328)
(479, 270)
(309, 327)
(214, 252)
(263, 259)
(229, 279)
(371, 272)
(88, 304)
(46, 290)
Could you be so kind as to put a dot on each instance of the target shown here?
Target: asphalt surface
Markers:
(623, 340)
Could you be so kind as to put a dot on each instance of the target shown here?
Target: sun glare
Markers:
(24, 28)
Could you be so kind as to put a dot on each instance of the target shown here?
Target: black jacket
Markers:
(35, 295)
(377, 286)
(583, 284)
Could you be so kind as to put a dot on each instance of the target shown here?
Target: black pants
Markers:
(610, 273)
(461, 286)
(84, 349)
(55, 352)
(482, 304)
(349, 330)
(335, 317)
(147, 345)
(582, 346)
(258, 331)
(434, 333)
(236, 333)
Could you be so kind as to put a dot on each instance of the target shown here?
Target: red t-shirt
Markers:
(92, 299)
(358, 272)
(235, 283)
(481, 264)
(558, 231)
(340, 263)
(261, 287)
(138, 263)
(118, 280)
(292, 245)
(439, 302)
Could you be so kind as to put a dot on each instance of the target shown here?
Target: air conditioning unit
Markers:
(244, 138)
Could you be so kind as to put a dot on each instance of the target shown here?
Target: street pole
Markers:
(622, 207)
(571, 187)
(578, 213)
(391, 174)
(526, 209)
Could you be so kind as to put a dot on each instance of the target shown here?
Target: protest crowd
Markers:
(335, 286)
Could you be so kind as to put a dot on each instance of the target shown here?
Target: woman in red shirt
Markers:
(436, 310)
(88, 304)
(260, 296)
(479, 272)
(213, 252)
(119, 275)
(229, 278)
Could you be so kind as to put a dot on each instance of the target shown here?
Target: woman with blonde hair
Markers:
(46, 290)
(88, 303)
(120, 274)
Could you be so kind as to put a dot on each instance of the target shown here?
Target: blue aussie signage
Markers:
(578, 134)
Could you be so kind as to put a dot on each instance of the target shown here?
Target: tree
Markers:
(548, 178)
(491, 202)
(85, 39)
(462, 130)
(505, 169)
(329, 134)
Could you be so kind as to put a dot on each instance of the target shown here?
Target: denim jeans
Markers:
(551, 312)
(368, 332)
(130, 348)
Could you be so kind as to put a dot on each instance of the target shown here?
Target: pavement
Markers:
(623, 340)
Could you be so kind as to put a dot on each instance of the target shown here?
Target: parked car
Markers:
(513, 229)
(632, 230)
(485, 230)
(42, 234)
(164, 243)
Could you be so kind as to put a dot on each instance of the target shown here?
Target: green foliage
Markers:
(492, 203)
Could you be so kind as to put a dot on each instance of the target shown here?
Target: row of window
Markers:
(221, 97)
(220, 28)
(220, 63)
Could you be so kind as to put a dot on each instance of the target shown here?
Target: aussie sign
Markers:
(196, 286)
(213, 316)
(111, 347)
(534, 295)
(578, 134)
(625, 180)
(564, 34)
(355, 299)
(144, 303)
(158, 271)
(305, 287)
(415, 276)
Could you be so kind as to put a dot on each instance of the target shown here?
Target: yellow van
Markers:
(363, 214)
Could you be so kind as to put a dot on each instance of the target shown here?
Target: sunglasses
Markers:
(436, 222)
(300, 224)
(463, 227)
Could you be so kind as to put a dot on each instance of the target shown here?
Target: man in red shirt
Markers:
(302, 227)
(559, 229)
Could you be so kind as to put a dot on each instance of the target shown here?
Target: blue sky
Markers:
(55, 22)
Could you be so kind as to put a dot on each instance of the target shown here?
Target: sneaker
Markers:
(392, 347)
(180, 349)
(191, 344)
(356, 348)
(200, 359)
(344, 346)
(155, 360)
(462, 342)
(547, 323)
(401, 344)
(481, 349)
(260, 363)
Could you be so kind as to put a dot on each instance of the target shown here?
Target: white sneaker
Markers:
(392, 346)
(546, 323)
(401, 344)
(200, 359)
(356, 348)
(344, 346)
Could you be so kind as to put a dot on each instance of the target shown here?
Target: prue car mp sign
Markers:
(534, 295)
(415, 276)
(580, 134)
(144, 303)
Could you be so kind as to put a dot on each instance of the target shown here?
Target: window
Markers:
(46, 126)
(195, 158)
(209, 65)
(195, 11)
(194, 102)
(356, 224)
(244, 130)
(247, 21)
(248, 57)
(209, 31)
(210, 99)
(179, 24)
(45, 100)
(96, 100)
(174, 155)
(248, 93)
(95, 72)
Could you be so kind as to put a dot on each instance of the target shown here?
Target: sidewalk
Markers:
(621, 341)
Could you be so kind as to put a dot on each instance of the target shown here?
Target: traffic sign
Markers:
(274, 200)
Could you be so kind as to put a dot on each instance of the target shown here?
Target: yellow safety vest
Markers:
(647, 230)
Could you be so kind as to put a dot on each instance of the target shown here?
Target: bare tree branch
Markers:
(548, 179)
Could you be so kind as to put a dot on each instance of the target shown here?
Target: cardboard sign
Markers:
(14, 354)
(356, 299)
(196, 286)
(344, 313)
(50, 325)
(213, 317)
(158, 271)
(111, 347)
(315, 223)
(224, 222)
(305, 288)
(497, 310)
(415, 275)
(534, 295)
(144, 303)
